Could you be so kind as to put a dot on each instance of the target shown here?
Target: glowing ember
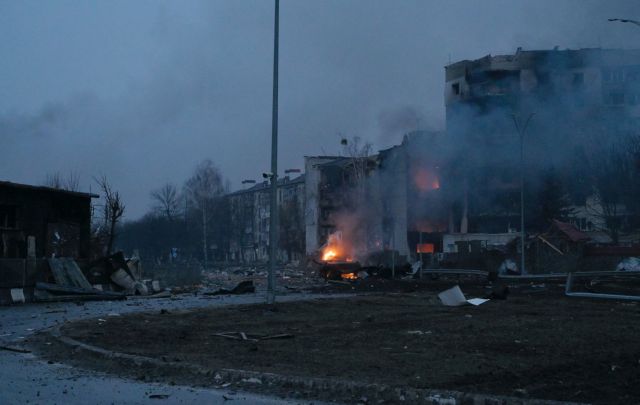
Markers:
(349, 276)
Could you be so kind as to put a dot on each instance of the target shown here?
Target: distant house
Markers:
(41, 222)
(560, 249)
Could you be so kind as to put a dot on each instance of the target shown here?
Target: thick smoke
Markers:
(143, 102)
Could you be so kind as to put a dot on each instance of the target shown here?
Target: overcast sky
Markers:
(141, 91)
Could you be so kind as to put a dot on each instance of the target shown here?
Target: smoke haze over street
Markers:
(142, 91)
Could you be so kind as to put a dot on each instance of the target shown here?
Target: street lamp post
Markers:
(521, 131)
(273, 215)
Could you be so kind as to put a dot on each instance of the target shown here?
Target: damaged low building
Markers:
(43, 222)
(37, 223)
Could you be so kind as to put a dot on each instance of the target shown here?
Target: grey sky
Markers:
(143, 90)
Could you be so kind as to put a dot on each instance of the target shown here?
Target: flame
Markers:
(426, 180)
(349, 276)
(335, 249)
(329, 255)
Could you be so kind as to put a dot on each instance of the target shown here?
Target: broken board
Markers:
(67, 273)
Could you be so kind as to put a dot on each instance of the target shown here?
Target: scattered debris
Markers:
(14, 349)
(499, 293)
(418, 332)
(629, 264)
(243, 287)
(70, 284)
(158, 396)
(453, 297)
(252, 338)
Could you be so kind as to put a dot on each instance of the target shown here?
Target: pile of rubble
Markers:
(108, 278)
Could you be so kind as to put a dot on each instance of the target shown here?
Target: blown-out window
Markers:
(8, 216)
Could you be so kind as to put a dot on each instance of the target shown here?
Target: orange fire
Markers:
(335, 249)
(426, 180)
(349, 276)
(329, 255)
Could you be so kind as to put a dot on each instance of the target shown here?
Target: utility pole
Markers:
(273, 225)
(521, 132)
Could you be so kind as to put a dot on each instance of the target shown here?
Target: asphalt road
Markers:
(26, 379)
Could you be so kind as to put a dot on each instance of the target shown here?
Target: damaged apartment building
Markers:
(386, 201)
(250, 214)
(574, 102)
(457, 191)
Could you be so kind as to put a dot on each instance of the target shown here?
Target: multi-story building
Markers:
(380, 202)
(250, 215)
(580, 98)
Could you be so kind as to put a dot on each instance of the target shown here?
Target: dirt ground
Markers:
(537, 343)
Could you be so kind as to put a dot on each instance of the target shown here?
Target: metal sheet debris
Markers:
(453, 297)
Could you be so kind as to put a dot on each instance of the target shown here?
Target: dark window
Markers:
(455, 87)
(544, 79)
(617, 76)
(8, 216)
(616, 98)
(578, 79)
(634, 99)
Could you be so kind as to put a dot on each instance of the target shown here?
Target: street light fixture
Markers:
(521, 131)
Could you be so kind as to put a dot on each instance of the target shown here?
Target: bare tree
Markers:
(70, 183)
(202, 190)
(113, 210)
(167, 201)
(358, 151)
(612, 170)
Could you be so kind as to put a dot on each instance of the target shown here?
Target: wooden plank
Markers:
(59, 273)
(56, 288)
(75, 274)
(67, 273)
(78, 297)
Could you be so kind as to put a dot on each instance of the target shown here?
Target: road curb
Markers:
(317, 388)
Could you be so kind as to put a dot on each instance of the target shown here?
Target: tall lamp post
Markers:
(273, 215)
(521, 131)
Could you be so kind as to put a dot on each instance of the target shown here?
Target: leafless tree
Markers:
(70, 183)
(202, 189)
(166, 201)
(612, 169)
(358, 151)
(113, 210)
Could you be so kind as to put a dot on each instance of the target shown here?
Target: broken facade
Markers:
(386, 206)
(577, 96)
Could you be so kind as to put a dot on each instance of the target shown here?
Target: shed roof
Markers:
(573, 233)
(46, 189)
